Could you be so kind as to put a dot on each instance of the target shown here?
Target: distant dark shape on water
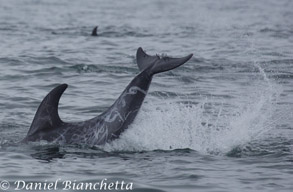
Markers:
(108, 126)
(95, 31)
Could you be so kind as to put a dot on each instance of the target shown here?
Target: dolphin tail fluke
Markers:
(47, 117)
(156, 64)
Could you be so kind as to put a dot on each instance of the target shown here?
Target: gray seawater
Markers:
(221, 122)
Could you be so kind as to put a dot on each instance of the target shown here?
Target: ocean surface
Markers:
(221, 122)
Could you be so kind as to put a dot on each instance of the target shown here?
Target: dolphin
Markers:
(108, 126)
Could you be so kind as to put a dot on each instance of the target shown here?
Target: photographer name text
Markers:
(65, 185)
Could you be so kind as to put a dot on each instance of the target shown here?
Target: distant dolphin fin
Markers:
(95, 31)
(47, 116)
(156, 64)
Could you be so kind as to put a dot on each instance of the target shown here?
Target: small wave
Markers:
(45, 71)
(277, 32)
(82, 68)
(11, 61)
(282, 61)
(44, 60)
(270, 147)
(123, 31)
(285, 75)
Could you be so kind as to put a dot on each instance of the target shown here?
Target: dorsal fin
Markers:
(95, 31)
(47, 116)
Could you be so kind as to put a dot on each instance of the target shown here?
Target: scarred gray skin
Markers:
(108, 126)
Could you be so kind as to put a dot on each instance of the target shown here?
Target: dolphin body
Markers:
(108, 126)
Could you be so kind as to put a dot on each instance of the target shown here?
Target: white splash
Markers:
(177, 126)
